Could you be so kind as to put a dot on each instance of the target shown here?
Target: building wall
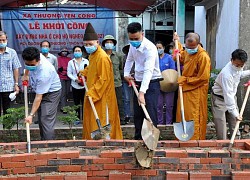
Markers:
(200, 23)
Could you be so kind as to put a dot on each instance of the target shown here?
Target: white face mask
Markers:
(236, 68)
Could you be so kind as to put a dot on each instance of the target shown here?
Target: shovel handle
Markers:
(241, 114)
(92, 105)
(142, 105)
(25, 89)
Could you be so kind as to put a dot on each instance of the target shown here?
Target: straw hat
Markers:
(169, 84)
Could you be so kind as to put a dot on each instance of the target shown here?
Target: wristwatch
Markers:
(33, 115)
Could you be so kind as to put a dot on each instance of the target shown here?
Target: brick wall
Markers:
(114, 159)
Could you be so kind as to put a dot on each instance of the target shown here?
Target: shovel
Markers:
(101, 132)
(241, 114)
(25, 89)
(150, 134)
(183, 130)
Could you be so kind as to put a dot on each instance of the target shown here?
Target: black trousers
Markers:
(78, 97)
(151, 99)
(4, 102)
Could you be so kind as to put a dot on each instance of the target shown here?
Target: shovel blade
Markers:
(150, 134)
(143, 155)
(102, 133)
(179, 130)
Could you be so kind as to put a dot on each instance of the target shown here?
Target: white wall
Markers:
(227, 38)
(200, 23)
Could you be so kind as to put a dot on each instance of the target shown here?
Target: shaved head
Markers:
(190, 37)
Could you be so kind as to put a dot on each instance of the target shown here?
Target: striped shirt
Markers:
(8, 63)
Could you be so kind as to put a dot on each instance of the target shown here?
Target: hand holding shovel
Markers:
(240, 116)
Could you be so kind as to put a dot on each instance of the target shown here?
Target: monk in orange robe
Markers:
(195, 83)
(100, 81)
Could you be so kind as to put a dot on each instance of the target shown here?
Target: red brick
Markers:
(29, 178)
(95, 142)
(68, 154)
(36, 163)
(218, 153)
(119, 175)
(82, 176)
(53, 177)
(190, 160)
(191, 143)
(69, 168)
(176, 153)
(197, 166)
(247, 145)
(131, 166)
(132, 172)
(207, 143)
(199, 175)
(176, 175)
(46, 156)
(27, 170)
(6, 158)
(101, 173)
(111, 154)
(241, 154)
(114, 166)
(230, 161)
(103, 160)
(240, 173)
(146, 172)
(245, 160)
(98, 178)
(197, 153)
(8, 178)
(210, 160)
(213, 172)
(13, 164)
(23, 157)
(92, 167)
(169, 144)
(240, 143)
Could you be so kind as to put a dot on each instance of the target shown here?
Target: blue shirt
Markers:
(45, 79)
(8, 62)
(166, 62)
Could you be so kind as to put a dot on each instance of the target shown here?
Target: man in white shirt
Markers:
(45, 48)
(144, 54)
(224, 102)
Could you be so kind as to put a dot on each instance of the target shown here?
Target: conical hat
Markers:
(169, 84)
(90, 33)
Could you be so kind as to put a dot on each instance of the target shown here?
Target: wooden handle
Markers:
(142, 105)
(241, 114)
(179, 75)
(25, 89)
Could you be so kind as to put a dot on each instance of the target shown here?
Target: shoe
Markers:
(77, 123)
(127, 119)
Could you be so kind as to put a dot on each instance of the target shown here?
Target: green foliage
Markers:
(13, 116)
(214, 73)
(71, 116)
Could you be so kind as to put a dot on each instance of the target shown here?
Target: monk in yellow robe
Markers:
(100, 81)
(195, 83)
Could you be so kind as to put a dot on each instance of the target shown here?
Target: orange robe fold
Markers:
(100, 81)
(196, 72)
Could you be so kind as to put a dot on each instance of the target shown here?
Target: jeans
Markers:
(126, 91)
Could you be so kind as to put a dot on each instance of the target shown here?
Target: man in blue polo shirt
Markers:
(46, 83)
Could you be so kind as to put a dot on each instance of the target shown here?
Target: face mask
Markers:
(3, 45)
(45, 50)
(192, 51)
(31, 68)
(64, 53)
(90, 49)
(77, 54)
(135, 44)
(160, 51)
(170, 51)
(236, 68)
(109, 46)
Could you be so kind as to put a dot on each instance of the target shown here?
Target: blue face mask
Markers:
(170, 51)
(45, 50)
(77, 54)
(160, 51)
(135, 44)
(109, 46)
(3, 45)
(31, 68)
(90, 49)
(192, 51)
